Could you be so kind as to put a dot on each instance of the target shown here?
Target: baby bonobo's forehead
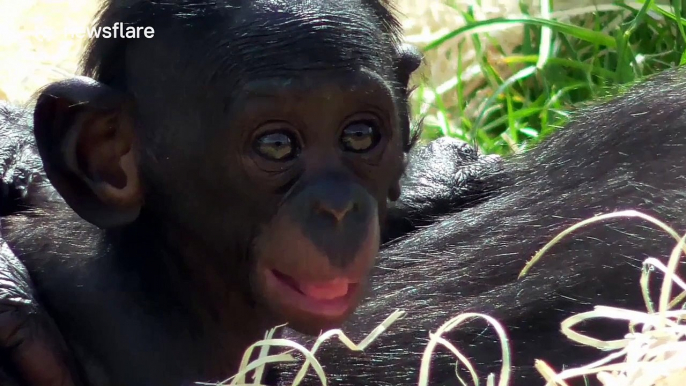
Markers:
(285, 36)
(265, 39)
(360, 81)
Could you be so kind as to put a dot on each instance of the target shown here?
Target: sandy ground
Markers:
(34, 46)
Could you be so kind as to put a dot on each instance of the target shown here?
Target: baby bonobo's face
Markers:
(295, 144)
(328, 153)
(320, 146)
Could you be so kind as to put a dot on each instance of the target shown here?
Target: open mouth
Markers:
(331, 298)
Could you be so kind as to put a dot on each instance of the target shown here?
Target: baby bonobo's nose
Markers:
(336, 210)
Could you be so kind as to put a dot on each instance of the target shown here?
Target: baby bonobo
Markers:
(255, 192)
(227, 175)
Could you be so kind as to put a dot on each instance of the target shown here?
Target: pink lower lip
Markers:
(325, 307)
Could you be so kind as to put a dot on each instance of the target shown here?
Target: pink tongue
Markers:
(325, 291)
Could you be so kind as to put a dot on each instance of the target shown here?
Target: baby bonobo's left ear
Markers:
(409, 59)
(86, 139)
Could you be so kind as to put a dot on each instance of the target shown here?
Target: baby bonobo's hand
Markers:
(443, 177)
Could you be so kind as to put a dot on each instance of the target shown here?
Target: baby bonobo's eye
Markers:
(360, 137)
(277, 146)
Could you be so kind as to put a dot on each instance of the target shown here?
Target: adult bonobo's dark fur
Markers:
(627, 153)
(230, 174)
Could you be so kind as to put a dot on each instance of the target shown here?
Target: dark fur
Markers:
(455, 182)
(104, 59)
(627, 153)
(133, 309)
(134, 316)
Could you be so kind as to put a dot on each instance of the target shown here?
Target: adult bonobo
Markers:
(227, 175)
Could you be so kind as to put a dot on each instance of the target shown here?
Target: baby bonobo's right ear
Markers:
(86, 139)
(409, 60)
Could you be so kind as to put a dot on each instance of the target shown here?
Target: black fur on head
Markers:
(106, 60)
(182, 132)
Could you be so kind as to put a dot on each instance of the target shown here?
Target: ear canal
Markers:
(87, 147)
(126, 197)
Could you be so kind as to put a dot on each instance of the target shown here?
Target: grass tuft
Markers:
(508, 98)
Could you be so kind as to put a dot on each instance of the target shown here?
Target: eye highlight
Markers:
(277, 146)
(360, 137)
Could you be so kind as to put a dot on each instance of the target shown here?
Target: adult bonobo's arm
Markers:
(445, 176)
(32, 351)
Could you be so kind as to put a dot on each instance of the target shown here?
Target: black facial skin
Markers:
(626, 153)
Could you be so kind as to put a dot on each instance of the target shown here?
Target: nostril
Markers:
(337, 213)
